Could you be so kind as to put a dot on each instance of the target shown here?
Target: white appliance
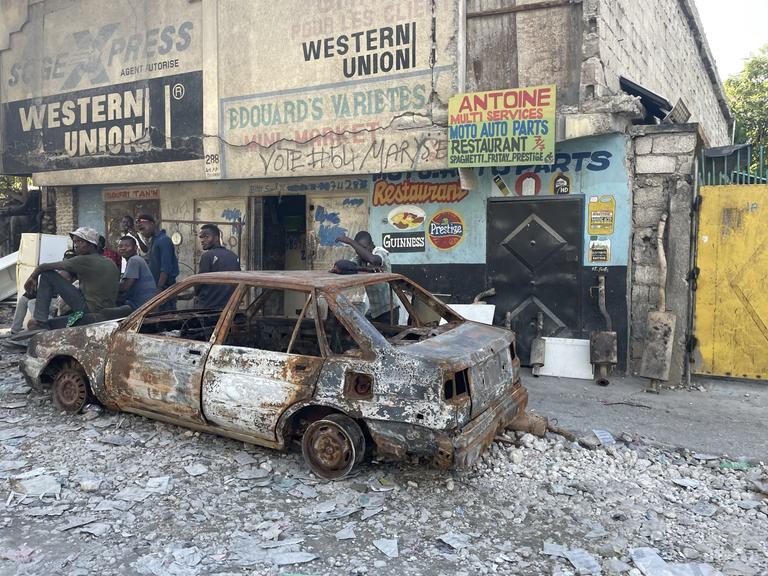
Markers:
(8, 275)
(38, 249)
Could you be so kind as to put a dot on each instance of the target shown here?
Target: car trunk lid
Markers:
(483, 351)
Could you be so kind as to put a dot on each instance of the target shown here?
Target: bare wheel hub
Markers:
(332, 446)
(70, 389)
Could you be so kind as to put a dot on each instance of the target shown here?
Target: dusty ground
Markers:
(125, 495)
(718, 416)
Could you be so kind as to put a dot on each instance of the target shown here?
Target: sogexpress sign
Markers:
(155, 120)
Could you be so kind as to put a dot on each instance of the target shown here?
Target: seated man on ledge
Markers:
(99, 279)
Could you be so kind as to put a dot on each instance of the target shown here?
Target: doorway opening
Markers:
(284, 234)
(284, 240)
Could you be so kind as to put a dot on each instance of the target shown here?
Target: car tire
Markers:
(71, 390)
(333, 446)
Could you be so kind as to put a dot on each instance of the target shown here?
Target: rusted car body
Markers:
(433, 385)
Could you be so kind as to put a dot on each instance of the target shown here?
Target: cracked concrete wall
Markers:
(289, 89)
(66, 210)
(324, 96)
(662, 182)
(660, 45)
(533, 45)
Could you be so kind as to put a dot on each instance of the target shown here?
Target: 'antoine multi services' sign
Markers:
(502, 127)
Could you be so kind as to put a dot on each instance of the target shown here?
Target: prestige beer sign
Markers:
(446, 229)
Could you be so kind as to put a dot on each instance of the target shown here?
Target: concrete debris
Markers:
(11, 433)
(346, 533)
(158, 485)
(37, 487)
(687, 482)
(196, 469)
(537, 506)
(388, 547)
(583, 561)
(455, 540)
(132, 494)
(22, 554)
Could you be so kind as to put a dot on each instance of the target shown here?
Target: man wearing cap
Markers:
(98, 276)
(162, 254)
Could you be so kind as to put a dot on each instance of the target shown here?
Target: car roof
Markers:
(297, 279)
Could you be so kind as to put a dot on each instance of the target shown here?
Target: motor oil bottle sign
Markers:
(601, 215)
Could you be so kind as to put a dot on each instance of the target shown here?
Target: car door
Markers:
(265, 362)
(155, 362)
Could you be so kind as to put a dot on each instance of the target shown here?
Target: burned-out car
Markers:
(292, 357)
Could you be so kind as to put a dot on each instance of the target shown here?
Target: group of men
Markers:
(90, 279)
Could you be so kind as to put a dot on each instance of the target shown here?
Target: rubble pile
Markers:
(105, 493)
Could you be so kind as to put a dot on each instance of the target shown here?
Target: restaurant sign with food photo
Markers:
(406, 217)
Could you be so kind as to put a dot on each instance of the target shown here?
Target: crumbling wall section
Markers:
(65, 209)
(660, 45)
(663, 182)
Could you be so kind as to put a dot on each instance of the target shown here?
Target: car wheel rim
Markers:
(70, 390)
(329, 449)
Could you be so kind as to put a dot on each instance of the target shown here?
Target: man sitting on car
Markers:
(98, 278)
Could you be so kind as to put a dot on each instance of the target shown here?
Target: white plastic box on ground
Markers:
(37, 249)
(8, 275)
(567, 358)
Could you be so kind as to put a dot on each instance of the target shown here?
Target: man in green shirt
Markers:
(99, 279)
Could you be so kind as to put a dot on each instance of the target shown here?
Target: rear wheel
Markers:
(70, 389)
(333, 446)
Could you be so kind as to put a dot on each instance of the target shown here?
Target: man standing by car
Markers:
(215, 258)
(163, 262)
(98, 278)
(137, 285)
(373, 258)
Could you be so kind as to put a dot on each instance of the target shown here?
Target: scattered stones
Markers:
(113, 494)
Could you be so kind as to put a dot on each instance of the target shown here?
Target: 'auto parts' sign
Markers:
(446, 229)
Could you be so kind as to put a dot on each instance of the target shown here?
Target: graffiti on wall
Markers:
(359, 96)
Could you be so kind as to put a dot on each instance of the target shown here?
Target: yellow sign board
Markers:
(508, 127)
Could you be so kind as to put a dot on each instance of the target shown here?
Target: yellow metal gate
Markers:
(731, 319)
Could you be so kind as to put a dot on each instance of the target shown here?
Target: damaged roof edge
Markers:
(697, 28)
(13, 15)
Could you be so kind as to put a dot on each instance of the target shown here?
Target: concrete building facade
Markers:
(291, 123)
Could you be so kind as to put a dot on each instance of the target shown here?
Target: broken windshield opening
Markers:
(402, 312)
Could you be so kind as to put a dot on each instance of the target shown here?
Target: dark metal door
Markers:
(534, 263)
